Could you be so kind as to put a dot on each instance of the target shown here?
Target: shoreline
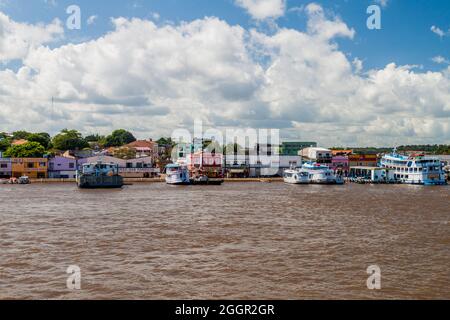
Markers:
(159, 180)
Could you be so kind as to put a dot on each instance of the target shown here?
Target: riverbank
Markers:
(160, 180)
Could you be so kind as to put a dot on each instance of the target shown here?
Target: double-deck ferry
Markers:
(312, 173)
(99, 175)
(415, 169)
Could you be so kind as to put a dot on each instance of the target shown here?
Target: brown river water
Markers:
(236, 241)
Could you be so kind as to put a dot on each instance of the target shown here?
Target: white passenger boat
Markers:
(414, 169)
(296, 176)
(177, 174)
(312, 173)
(321, 174)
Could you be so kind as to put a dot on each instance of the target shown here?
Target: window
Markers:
(71, 165)
(30, 165)
(3, 165)
(42, 164)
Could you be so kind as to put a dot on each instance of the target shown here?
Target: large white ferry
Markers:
(414, 169)
(312, 173)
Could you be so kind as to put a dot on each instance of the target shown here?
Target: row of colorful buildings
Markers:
(60, 167)
(65, 165)
(261, 160)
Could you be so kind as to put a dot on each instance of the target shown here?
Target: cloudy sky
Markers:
(311, 69)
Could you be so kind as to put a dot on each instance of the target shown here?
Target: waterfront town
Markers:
(37, 156)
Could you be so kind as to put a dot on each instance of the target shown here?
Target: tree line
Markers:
(435, 149)
(39, 144)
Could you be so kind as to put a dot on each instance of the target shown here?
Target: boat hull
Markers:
(295, 181)
(209, 181)
(100, 182)
(180, 183)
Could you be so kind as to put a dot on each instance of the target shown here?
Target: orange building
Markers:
(34, 168)
(363, 160)
(341, 152)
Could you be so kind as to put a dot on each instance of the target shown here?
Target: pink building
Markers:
(340, 164)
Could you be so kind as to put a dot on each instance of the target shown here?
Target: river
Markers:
(236, 241)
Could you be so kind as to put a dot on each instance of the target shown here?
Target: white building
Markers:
(132, 168)
(315, 153)
(262, 165)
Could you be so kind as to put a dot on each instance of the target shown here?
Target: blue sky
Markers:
(405, 37)
(309, 68)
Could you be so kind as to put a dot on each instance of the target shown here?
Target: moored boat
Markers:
(24, 180)
(414, 169)
(321, 174)
(296, 176)
(177, 174)
(99, 175)
(312, 173)
(199, 177)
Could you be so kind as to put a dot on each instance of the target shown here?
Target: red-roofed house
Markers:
(144, 148)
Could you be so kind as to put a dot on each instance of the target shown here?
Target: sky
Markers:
(312, 69)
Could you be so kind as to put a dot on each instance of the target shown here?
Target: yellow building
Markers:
(363, 160)
(34, 168)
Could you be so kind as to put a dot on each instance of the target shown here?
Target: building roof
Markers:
(19, 142)
(341, 152)
(141, 144)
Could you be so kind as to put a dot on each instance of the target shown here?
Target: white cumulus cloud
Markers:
(153, 79)
(263, 9)
(17, 39)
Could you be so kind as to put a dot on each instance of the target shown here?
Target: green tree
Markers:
(17, 135)
(94, 138)
(43, 138)
(119, 138)
(165, 142)
(27, 150)
(5, 143)
(69, 140)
